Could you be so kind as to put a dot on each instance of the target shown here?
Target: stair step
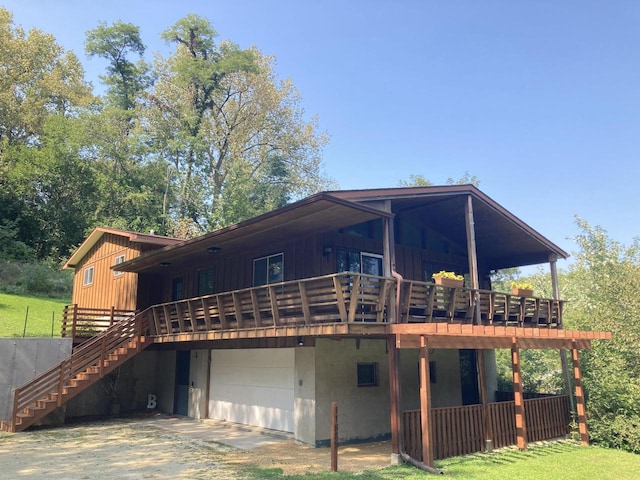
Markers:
(48, 402)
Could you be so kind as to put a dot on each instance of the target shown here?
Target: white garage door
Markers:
(254, 387)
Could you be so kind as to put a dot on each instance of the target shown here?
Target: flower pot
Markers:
(448, 282)
(522, 292)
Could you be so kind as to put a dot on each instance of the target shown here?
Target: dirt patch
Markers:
(296, 459)
(138, 449)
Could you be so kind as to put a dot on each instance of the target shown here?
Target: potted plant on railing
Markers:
(523, 289)
(448, 279)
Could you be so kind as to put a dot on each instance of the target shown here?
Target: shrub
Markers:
(34, 278)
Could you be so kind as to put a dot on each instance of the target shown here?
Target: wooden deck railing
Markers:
(343, 297)
(81, 323)
(51, 384)
(460, 430)
(428, 302)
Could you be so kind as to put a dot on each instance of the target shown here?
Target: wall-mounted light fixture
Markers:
(327, 249)
(213, 250)
(300, 341)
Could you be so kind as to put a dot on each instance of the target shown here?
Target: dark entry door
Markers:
(181, 401)
(469, 377)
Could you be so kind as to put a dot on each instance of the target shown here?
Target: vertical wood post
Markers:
(394, 393)
(521, 428)
(486, 413)
(73, 324)
(334, 436)
(112, 315)
(580, 406)
(425, 404)
(553, 259)
(61, 379)
(473, 257)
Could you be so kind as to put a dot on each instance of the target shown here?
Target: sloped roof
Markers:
(317, 213)
(134, 237)
(502, 239)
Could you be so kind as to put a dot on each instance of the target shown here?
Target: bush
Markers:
(35, 278)
(619, 431)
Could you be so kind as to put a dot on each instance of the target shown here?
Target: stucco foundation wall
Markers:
(165, 387)
(304, 402)
(446, 390)
(127, 387)
(363, 412)
(21, 359)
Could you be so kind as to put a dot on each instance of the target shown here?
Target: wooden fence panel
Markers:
(460, 430)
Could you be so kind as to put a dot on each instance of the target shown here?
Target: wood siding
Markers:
(107, 290)
(303, 258)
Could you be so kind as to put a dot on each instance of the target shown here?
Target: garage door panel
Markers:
(254, 387)
(258, 376)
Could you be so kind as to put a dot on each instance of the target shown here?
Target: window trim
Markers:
(376, 377)
(122, 258)
(213, 280)
(267, 258)
(85, 274)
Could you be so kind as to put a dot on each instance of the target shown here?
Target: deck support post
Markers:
(518, 396)
(425, 404)
(394, 392)
(580, 406)
(473, 258)
(482, 387)
(553, 259)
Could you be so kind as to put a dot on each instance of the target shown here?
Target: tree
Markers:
(602, 289)
(125, 79)
(226, 126)
(130, 181)
(38, 78)
(419, 180)
(42, 88)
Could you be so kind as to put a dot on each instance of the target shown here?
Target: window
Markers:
(368, 374)
(119, 259)
(267, 270)
(177, 289)
(205, 282)
(87, 278)
(359, 262)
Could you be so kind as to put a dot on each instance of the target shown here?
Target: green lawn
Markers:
(557, 460)
(13, 309)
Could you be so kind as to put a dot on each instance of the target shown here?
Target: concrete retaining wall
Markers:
(21, 359)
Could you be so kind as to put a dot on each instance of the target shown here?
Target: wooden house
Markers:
(331, 299)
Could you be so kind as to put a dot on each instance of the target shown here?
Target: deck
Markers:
(338, 304)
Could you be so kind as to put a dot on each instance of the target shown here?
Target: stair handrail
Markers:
(52, 380)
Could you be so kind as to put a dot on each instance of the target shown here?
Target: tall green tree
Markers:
(130, 181)
(223, 122)
(602, 286)
(42, 87)
(38, 78)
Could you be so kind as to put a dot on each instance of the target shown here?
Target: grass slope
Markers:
(13, 309)
(556, 460)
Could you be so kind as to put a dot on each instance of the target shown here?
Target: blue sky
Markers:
(539, 99)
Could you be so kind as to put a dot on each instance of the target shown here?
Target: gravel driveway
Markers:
(167, 447)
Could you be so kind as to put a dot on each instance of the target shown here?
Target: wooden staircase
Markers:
(87, 364)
